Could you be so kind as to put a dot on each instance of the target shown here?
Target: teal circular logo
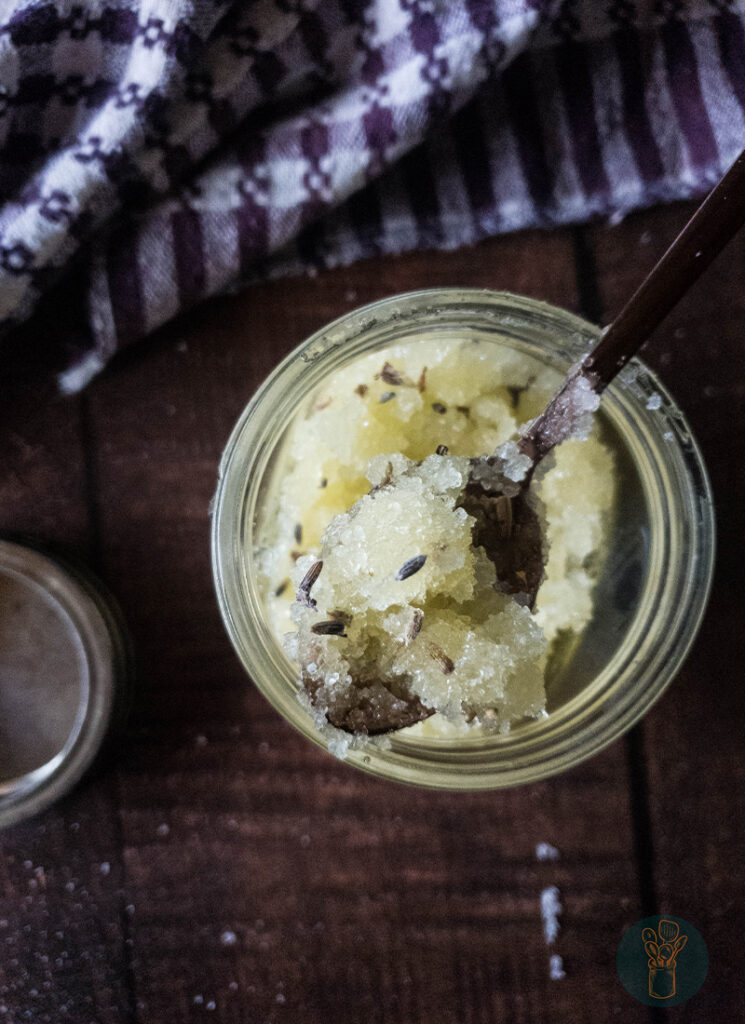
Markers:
(662, 961)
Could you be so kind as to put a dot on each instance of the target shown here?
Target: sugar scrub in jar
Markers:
(342, 486)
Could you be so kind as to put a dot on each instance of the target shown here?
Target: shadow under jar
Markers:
(650, 594)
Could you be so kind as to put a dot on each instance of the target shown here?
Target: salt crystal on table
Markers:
(654, 401)
(550, 910)
(556, 968)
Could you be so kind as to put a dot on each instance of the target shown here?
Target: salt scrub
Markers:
(441, 631)
(417, 603)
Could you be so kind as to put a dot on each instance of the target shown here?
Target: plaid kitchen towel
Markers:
(170, 149)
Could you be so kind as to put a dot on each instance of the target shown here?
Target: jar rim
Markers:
(667, 453)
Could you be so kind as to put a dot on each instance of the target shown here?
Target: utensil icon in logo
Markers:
(662, 948)
(668, 930)
(662, 961)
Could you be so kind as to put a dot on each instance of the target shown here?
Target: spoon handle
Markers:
(713, 224)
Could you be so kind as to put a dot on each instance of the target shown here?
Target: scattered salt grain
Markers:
(211, 1005)
(163, 830)
(201, 741)
(228, 938)
(556, 968)
(550, 910)
(280, 998)
(104, 867)
(545, 851)
(198, 1000)
(654, 401)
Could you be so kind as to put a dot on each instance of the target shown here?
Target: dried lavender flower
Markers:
(306, 584)
(414, 627)
(446, 664)
(409, 568)
(331, 627)
(393, 376)
(390, 375)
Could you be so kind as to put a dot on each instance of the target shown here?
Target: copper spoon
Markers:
(507, 526)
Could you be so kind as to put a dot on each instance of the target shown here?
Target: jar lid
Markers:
(64, 666)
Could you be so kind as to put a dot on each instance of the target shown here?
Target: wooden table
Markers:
(218, 867)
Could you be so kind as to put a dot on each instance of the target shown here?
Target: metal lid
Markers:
(63, 666)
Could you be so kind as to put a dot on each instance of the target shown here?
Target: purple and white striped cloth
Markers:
(168, 150)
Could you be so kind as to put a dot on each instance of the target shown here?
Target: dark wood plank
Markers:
(693, 739)
(267, 880)
(43, 490)
(63, 951)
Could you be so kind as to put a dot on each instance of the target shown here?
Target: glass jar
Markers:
(649, 599)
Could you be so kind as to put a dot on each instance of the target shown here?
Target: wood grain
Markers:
(63, 936)
(693, 737)
(251, 876)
